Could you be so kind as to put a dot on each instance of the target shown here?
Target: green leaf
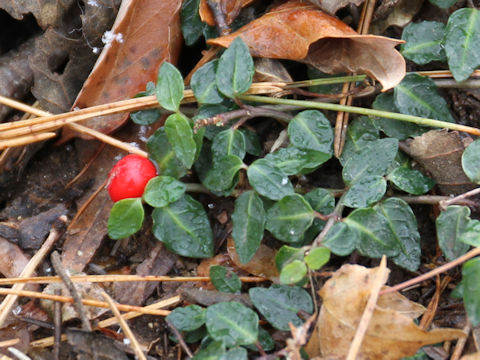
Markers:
(195, 335)
(224, 280)
(471, 289)
(235, 69)
(126, 218)
(289, 218)
(265, 340)
(204, 85)
(268, 180)
(293, 272)
(160, 150)
(322, 201)
(235, 354)
(451, 224)
(373, 159)
(279, 304)
(213, 351)
(232, 323)
(359, 133)
(163, 190)
(292, 160)
(192, 25)
(424, 42)
(310, 130)
(169, 87)
(317, 257)
(375, 236)
(410, 181)
(145, 117)
(471, 233)
(223, 174)
(444, 4)
(206, 111)
(228, 142)
(341, 239)
(471, 161)
(314, 73)
(187, 318)
(184, 228)
(252, 142)
(365, 192)
(461, 42)
(180, 136)
(286, 255)
(403, 224)
(418, 96)
(248, 225)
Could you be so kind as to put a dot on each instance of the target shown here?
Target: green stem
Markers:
(333, 218)
(326, 81)
(362, 111)
(197, 188)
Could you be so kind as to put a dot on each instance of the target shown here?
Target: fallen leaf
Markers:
(13, 259)
(402, 13)
(147, 32)
(210, 297)
(332, 6)
(321, 41)
(270, 70)
(91, 345)
(229, 8)
(391, 334)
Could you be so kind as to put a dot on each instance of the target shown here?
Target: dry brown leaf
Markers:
(331, 6)
(321, 41)
(391, 334)
(270, 70)
(150, 34)
(401, 14)
(230, 8)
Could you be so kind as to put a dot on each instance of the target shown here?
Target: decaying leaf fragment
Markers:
(230, 8)
(331, 6)
(321, 41)
(391, 334)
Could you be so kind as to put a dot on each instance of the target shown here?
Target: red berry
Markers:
(129, 176)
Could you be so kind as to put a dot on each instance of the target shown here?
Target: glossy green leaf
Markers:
(341, 239)
(195, 335)
(292, 160)
(224, 280)
(169, 87)
(365, 192)
(424, 42)
(375, 236)
(373, 159)
(403, 224)
(180, 136)
(184, 228)
(187, 318)
(126, 218)
(461, 42)
(471, 233)
(268, 180)
(471, 289)
(451, 224)
(293, 272)
(444, 4)
(359, 133)
(410, 181)
(229, 142)
(213, 351)
(286, 254)
(222, 175)
(310, 130)
(204, 85)
(322, 201)
(232, 323)
(265, 340)
(163, 190)
(279, 304)
(235, 69)
(471, 161)
(252, 142)
(145, 117)
(192, 25)
(238, 353)
(417, 95)
(317, 257)
(248, 225)
(160, 150)
(289, 218)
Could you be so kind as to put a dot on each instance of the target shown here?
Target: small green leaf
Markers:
(126, 218)
(341, 239)
(471, 289)
(235, 69)
(252, 142)
(310, 130)
(418, 96)
(204, 85)
(293, 272)
(279, 304)
(162, 152)
(265, 340)
(228, 142)
(195, 335)
(289, 218)
(232, 323)
(471, 161)
(145, 117)
(471, 233)
(359, 133)
(192, 25)
(286, 255)
(322, 201)
(184, 228)
(169, 87)
(268, 180)
(163, 190)
(238, 353)
(410, 181)
(292, 160)
(451, 224)
(222, 176)
(461, 42)
(317, 257)
(365, 192)
(224, 280)
(213, 351)
(248, 225)
(187, 318)
(180, 136)
(424, 42)
(443, 4)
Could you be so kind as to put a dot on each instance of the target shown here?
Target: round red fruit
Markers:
(129, 176)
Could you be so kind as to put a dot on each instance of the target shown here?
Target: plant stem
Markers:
(333, 218)
(197, 188)
(363, 111)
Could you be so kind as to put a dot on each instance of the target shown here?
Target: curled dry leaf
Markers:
(401, 14)
(321, 41)
(331, 6)
(229, 8)
(391, 334)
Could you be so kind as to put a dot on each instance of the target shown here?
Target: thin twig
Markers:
(457, 352)
(57, 332)
(179, 338)
(25, 140)
(461, 197)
